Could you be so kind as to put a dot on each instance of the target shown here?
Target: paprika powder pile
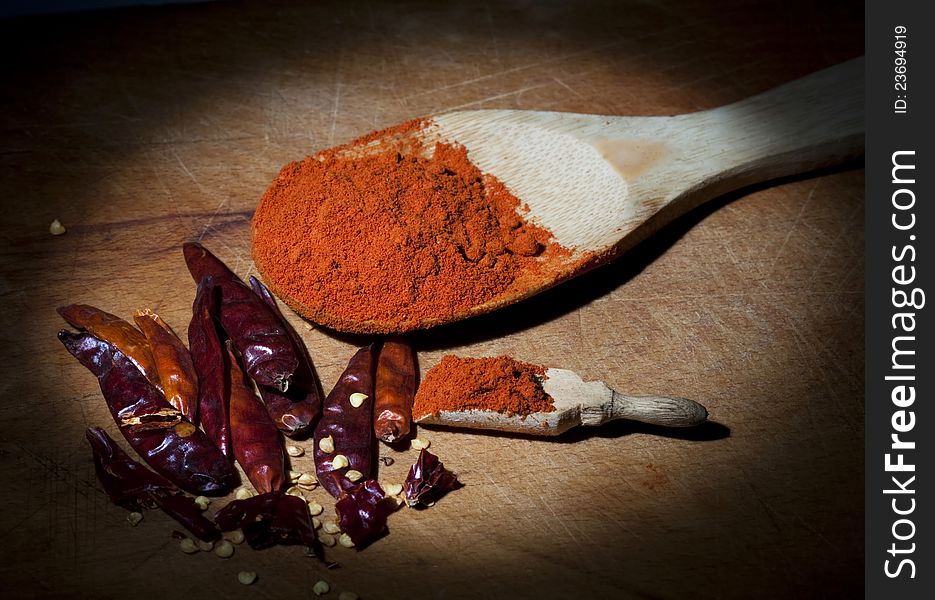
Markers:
(502, 384)
(395, 234)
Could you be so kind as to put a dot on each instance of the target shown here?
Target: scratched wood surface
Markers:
(140, 129)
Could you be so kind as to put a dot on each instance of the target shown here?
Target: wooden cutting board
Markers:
(142, 129)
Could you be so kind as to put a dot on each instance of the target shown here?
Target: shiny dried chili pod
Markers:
(114, 330)
(271, 519)
(428, 480)
(210, 360)
(175, 449)
(254, 438)
(345, 425)
(362, 511)
(132, 486)
(394, 391)
(295, 410)
(256, 331)
(173, 363)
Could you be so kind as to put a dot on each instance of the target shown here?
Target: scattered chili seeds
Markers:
(326, 444)
(357, 399)
(339, 462)
(235, 537)
(308, 480)
(188, 546)
(348, 596)
(315, 508)
(326, 540)
(246, 577)
(331, 527)
(56, 228)
(204, 546)
(346, 541)
(134, 518)
(292, 450)
(393, 489)
(224, 549)
(353, 475)
(243, 493)
(202, 502)
(420, 444)
(321, 587)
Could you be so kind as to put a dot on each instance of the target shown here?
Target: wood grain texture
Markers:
(142, 129)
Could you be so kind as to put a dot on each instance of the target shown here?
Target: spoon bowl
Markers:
(601, 184)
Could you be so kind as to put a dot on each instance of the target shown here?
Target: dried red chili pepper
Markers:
(295, 410)
(175, 448)
(257, 333)
(395, 390)
(270, 519)
(349, 427)
(362, 511)
(114, 330)
(132, 486)
(428, 480)
(210, 361)
(254, 438)
(173, 363)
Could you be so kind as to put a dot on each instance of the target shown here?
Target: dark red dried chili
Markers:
(254, 438)
(210, 361)
(256, 331)
(428, 480)
(175, 449)
(394, 391)
(173, 363)
(132, 486)
(270, 519)
(347, 427)
(362, 511)
(295, 410)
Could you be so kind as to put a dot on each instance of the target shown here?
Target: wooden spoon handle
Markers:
(809, 123)
(656, 410)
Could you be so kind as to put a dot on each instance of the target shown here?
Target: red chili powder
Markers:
(502, 384)
(376, 241)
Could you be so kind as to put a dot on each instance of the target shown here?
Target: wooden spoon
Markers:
(576, 403)
(601, 184)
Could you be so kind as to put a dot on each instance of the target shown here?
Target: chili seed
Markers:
(307, 479)
(202, 502)
(346, 541)
(348, 596)
(420, 444)
(314, 508)
(294, 476)
(224, 549)
(325, 539)
(316, 523)
(393, 489)
(235, 537)
(243, 493)
(321, 587)
(246, 577)
(294, 491)
(331, 527)
(134, 518)
(326, 444)
(294, 450)
(56, 228)
(339, 462)
(187, 545)
(354, 475)
(205, 546)
(357, 399)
